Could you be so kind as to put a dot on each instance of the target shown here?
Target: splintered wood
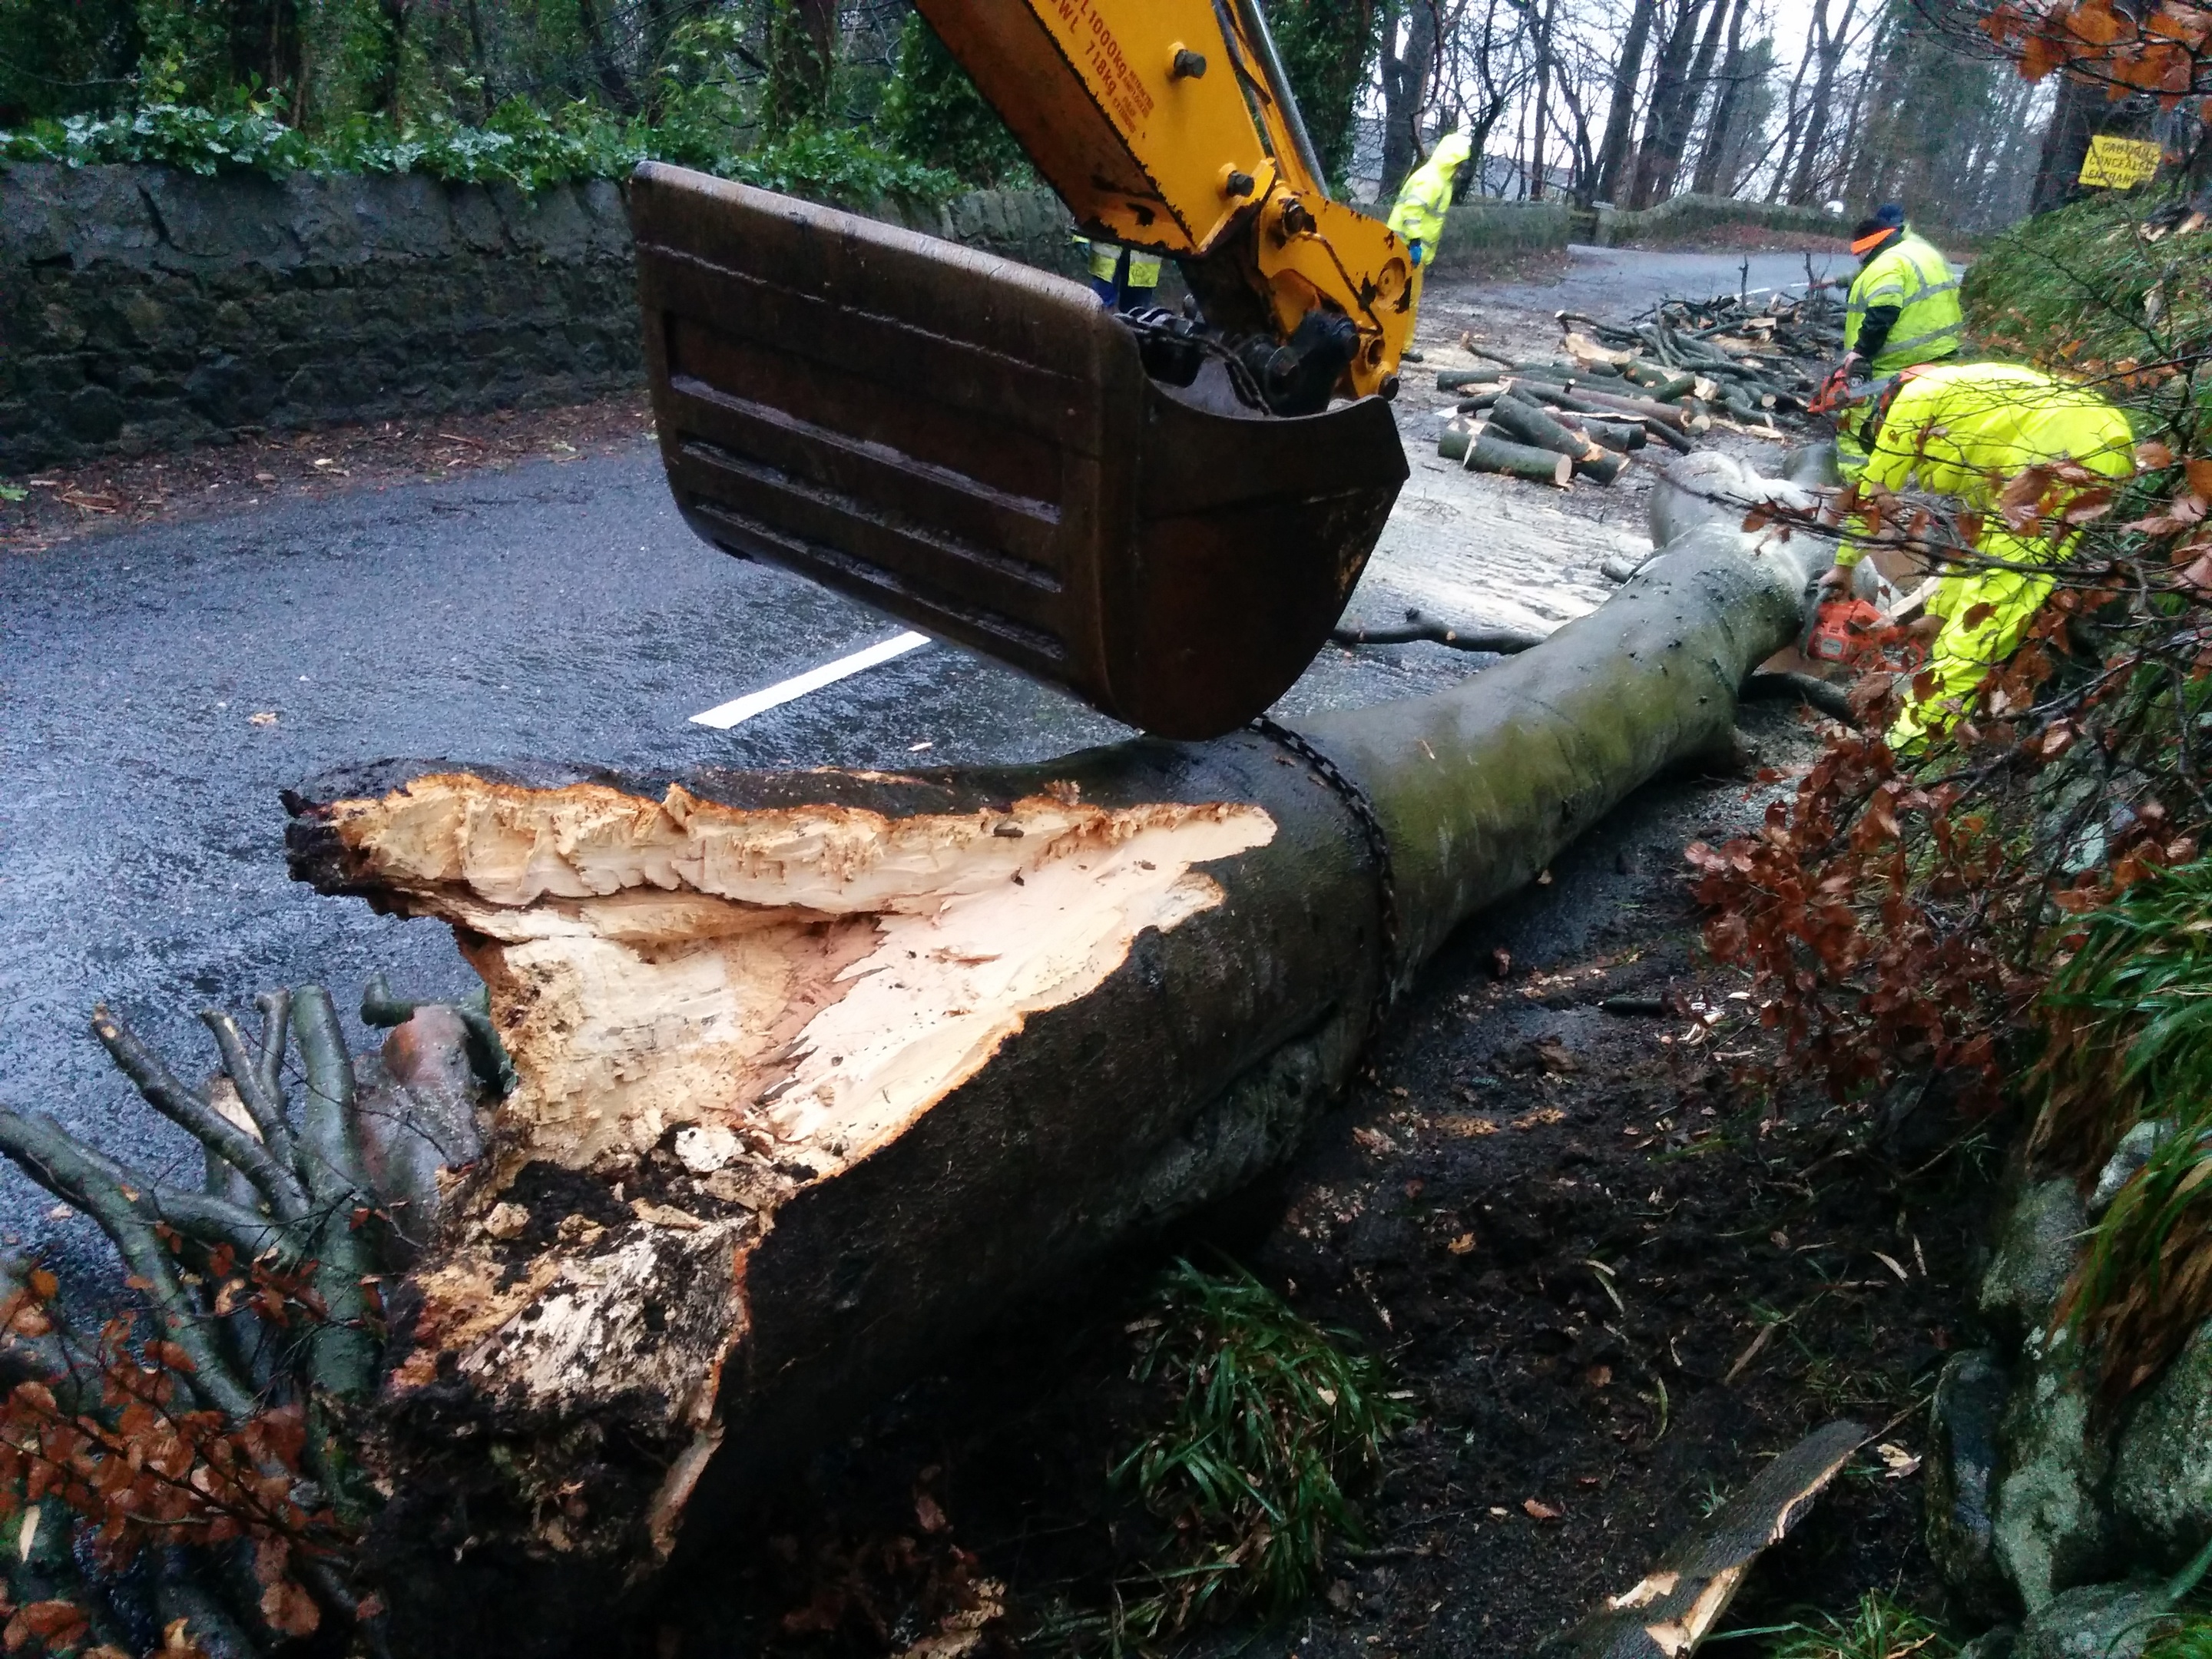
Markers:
(794, 984)
(1668, 1612)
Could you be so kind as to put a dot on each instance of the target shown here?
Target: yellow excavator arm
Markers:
(1169, 125)
(1164, 514)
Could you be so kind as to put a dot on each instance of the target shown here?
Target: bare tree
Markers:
(1728, 103)
(1825, 47)
(1408, 72)
(1674, 101)
(1542, 44)
(1620, 114)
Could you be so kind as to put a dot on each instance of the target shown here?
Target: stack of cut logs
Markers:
(1681, 370)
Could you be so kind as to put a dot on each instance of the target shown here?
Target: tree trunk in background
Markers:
(1620, 117)
(1714, 151)
(1855, 132)
(604, 70)
(1406, 77)
(1674, 102)
(264, 41)
(1543, 46)
(384, 89)
(652, 52)
(1326, 46)
(802, 43)
(1815, 128)
(1888, 76)
(479, 61)
(1793, 115)
(2065, 145)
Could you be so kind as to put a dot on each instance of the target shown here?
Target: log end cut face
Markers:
(790, 985)
(710, 1008)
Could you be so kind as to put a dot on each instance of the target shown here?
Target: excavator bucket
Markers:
(974, 446)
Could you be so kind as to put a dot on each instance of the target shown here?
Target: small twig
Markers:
(265, 1104)
(345, 1351)
(57, 1162)
(1757, 1346)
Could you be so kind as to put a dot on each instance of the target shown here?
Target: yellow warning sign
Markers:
(2119, 163)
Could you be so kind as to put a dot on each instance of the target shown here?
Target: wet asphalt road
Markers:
(1618, 282)
(553, 610)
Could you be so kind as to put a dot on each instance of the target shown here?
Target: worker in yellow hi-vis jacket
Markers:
(1427, 195)
(1902, 309)
(1965, 430)
(1124, 278)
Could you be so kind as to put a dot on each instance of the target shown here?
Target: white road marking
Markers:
(723, 716)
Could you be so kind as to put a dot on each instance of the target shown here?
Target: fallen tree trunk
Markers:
(817, 1071)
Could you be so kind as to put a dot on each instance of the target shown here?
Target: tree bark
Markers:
(1818, 109)
(265, 44)
(816, 1072)
(1664, 117)
(1493, 453)
(802, 41)
(608, 73)
(1620, 117)
(1794, 112)
(2065, 144)
(387, 87)
(1405, 78)
(1663, 153)
(1543, 49)
(1713, 153)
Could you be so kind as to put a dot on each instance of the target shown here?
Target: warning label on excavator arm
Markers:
(1113, 79)
(2119, 163)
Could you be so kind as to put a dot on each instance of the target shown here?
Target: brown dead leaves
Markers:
(1862, 910)
(2160, 50)
(125, 1454)
(882, 1590)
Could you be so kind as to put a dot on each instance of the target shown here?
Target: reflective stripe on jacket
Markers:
(1965, 430)
(1911, 275)
(1106, 259)
(1426, 197)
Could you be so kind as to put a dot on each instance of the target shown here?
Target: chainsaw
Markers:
(1834, 392)
(1854, 634)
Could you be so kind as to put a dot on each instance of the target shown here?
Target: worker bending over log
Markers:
(1965, 431)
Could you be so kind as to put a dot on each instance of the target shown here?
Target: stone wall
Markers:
(1478, 231)
(144, 309)
(2054, 1519)
(1685, 216)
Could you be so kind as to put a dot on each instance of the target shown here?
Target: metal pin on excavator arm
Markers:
(1163, 516)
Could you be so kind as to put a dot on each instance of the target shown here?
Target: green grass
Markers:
(2191, 1639)
(1878, 1628)
(1275, 1421)
(2131, 1021)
